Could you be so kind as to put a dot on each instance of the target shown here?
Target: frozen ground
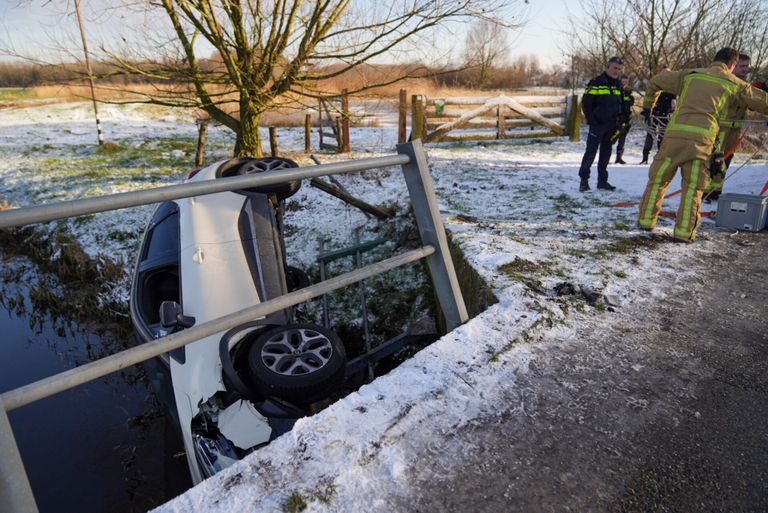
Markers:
(515, 211)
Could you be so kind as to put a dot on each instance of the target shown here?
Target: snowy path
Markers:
(514, 412)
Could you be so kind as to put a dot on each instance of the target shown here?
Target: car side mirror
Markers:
(171, 316)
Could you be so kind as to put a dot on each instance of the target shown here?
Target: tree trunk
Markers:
(248, 143)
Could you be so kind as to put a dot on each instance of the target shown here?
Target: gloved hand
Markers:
(716, 164)
(646, 114)
(615, 135)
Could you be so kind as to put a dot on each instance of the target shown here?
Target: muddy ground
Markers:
(661, 405)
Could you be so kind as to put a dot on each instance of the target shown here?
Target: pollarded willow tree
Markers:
(266, 53)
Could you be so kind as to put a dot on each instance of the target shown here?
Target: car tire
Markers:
(242, 166)
(300, 363)
(296, 279)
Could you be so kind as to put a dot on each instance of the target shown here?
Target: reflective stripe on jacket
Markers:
(602, 101)
(705, 95)
(730, 126)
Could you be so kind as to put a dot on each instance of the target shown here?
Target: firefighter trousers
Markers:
(693, 158)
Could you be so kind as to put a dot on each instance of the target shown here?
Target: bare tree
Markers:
(267, 53)
(649, 34)
(485, 48)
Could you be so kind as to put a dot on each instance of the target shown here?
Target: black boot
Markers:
(606, 186)
(645, 159)
(619, 160)
(584, 186)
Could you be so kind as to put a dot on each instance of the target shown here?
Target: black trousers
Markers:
(656, 130)
(622, 139)
(599, 138)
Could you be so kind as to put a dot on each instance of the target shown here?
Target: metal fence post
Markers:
(15, 490)
(424, 202)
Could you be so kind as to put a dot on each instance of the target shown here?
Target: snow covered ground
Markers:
(513, 208)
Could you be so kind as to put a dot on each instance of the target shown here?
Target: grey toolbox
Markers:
(742, 211)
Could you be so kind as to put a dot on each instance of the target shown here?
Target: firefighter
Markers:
(601, 105)
(704, 96)
(729, 137)
(657, 122)
(628, 101)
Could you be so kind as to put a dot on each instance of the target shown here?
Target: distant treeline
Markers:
(523, 72)
(22, 74)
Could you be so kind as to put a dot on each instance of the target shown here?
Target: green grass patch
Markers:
(620, 225)
(14, 93)
(629, 244)
(295, 503)
(520, 265)
(564, 202)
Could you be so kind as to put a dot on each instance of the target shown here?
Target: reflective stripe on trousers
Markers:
(660, 175)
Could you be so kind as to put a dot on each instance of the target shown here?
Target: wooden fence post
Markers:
(307, 133)
(401, 116)
(417, 117)
(501, 132)
(202, 138)
(339, 136)
(273, 141)
(345, 119)
(573, 121)
(320, 121)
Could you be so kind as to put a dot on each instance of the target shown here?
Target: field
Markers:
(558, 260)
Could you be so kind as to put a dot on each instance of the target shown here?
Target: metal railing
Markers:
(15, 490)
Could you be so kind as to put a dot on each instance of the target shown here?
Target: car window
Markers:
(163, 236)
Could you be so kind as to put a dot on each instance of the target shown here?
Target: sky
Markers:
(30, 25)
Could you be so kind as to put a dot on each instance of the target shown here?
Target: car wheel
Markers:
(300, 363)
(296, 278)
(246, 166)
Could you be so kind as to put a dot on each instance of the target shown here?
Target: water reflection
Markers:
(103, 446)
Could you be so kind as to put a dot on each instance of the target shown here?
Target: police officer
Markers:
(705, 94)
(628, 101)
(657, 123)
(729, 137)
(601, 104)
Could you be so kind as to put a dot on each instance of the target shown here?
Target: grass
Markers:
(565, 203)
(295, 503)
(14, 93)
(629, 244)
(519, 266)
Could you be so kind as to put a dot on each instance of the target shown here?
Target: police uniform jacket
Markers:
(602, 101)
(704, 96)
(627, 102)
(663, 106)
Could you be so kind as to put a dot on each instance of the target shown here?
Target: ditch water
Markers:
(102, 446)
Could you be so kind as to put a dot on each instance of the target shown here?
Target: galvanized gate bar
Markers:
(427, 214)
(61, 210)
(15, 492)
(93, 370)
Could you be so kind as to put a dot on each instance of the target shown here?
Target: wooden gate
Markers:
(334, 123)
(497, 117)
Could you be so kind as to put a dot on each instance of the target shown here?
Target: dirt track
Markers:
(660, 406)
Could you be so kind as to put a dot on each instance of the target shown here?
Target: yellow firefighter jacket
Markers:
(704, 97)
(730, 127)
